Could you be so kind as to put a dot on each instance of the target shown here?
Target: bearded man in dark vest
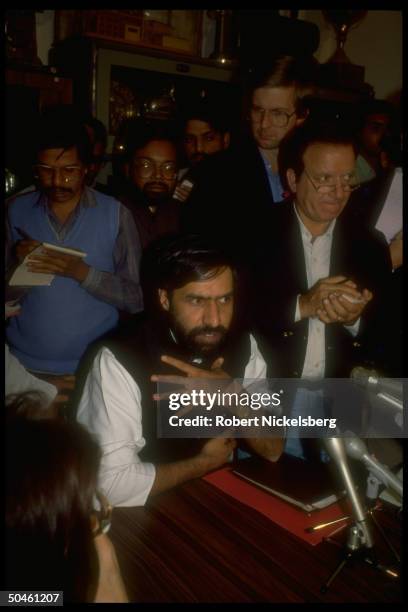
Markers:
(193, 331)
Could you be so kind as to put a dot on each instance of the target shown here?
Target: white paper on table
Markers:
(390, 220)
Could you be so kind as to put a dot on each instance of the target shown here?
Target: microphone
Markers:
(183, 188)
(388, 389)
(356, 448)
(336, 450)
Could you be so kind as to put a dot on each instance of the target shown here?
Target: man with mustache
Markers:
(190, 333)
(151, 171)
(204, 131)
(57, 322)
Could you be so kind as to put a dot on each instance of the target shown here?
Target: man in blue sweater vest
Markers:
(57, 322)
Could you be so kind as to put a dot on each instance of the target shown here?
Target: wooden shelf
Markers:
(158, 53)
(52, 89)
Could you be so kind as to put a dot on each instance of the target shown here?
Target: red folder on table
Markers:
(284, 514)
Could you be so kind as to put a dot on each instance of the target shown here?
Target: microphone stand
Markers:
(360, 544)
(373, 484)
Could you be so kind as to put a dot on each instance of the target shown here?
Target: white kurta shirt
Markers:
(110, 408)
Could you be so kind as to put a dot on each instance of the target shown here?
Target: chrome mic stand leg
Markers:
(360, 543)
(372, 491)
(353, 545)
(325, 586)
(356, 550)
(384, 535)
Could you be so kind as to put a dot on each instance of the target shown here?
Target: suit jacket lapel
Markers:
(257, 176)
(296, 261)
(339, 254)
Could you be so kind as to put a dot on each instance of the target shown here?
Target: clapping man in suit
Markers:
(313, 311)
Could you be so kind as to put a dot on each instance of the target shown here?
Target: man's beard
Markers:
(156, 192)
(198, 158)
(197, 344)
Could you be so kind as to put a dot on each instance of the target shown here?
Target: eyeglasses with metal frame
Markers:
(146, 167)
(323, 185)
(277, 117)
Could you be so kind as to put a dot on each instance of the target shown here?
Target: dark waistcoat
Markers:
(139, 351)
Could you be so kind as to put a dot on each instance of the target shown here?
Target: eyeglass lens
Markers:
(276, 117)
(347, 184)
(147, 167)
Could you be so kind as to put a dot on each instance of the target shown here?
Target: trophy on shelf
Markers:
(339, 71)
(342, 22)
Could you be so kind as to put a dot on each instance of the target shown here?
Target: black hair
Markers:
(375, 106)
(142, 131)
(51, 476)
(207, 111)
(178, 259)
(60, 127)
(392, 129)
(311, 132)
(100, 133)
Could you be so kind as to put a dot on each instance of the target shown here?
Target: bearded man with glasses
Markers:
(151, 171)
(319, 279)
(57, 322)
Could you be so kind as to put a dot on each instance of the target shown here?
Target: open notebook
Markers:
(23, 277)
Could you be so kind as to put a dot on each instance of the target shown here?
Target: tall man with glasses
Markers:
(241, 184)
(319, 279)
(151, 171)
(274, 110)
(57, 322)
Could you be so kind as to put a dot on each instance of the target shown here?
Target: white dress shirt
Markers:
(110, 408)
(317, 259)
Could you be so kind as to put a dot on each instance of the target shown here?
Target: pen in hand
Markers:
(26, 245)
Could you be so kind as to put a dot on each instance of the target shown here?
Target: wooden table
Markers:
(197, 544)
